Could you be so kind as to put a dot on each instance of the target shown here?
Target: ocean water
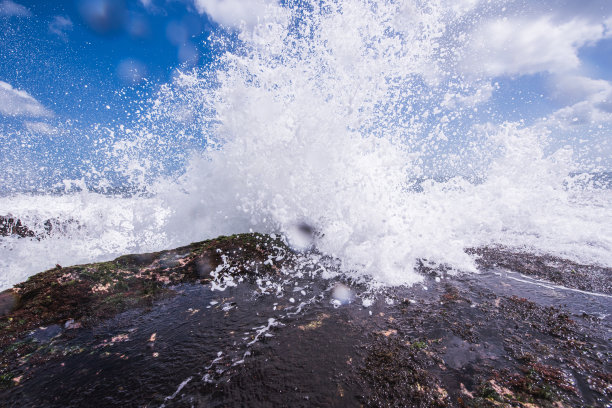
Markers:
(358, 119)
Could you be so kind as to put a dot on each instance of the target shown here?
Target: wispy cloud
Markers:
(60, 25)
(14, 102)
(544, 39)
(521, 47)
(40, 128)
(481, 94)
(151, 7)
(233, 13)
(9, 8)
(589, 101)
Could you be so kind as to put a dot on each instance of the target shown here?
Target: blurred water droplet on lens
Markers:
(176, 33)
(188, 54)
(103, 16)
(131, 71)
(139, 27)
(192, 24)
(300, 236)
(342, 294)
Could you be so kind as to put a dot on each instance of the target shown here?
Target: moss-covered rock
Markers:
(83, 295)
(244, 321)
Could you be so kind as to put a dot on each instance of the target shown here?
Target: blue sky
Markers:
(76, 65)
(91, 62)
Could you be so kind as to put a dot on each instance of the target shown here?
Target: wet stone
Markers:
(13, 226)
(8, 302)
(45, 334)
(219, 324)
(593, 278)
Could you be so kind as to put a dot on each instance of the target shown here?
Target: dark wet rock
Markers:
(8, 301)
(13, 226)
(398, 372)
(204, 265)
(97, 291)
(592, 278)
(45, 334)
(62, 227)
(16, 227)
(243, 321)
(71, 324)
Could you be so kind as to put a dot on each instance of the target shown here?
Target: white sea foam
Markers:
(328, 118)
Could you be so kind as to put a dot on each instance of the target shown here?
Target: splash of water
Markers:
(348, 117)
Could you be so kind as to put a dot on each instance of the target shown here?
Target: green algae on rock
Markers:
(87, 294)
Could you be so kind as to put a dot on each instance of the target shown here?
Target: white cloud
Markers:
(234, 12)
(10, 8)
(40, 128)
(59, 25)
(523, 37)
(567, 9)
(518, 46)
(152, 8)
(460, 7)
(581, 113)
(570, 89)
(14, 102)
(589, 101)
(479, 96)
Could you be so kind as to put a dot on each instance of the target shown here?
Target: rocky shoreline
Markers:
(11, 226)
(243, 320)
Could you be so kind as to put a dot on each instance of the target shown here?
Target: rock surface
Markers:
(14, 226)
(244, 321)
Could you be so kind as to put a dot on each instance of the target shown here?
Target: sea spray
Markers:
(355, 118)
